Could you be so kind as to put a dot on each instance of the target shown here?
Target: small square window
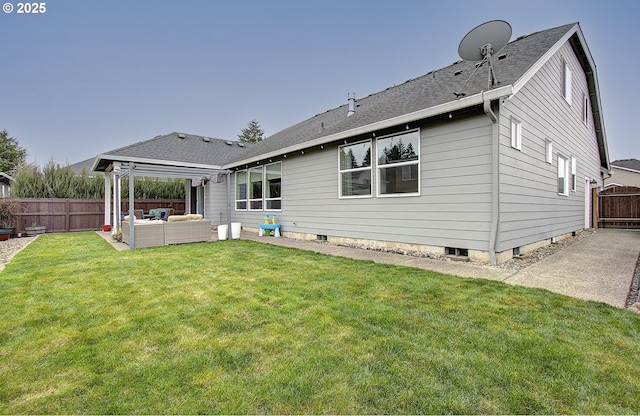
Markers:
(516, 134)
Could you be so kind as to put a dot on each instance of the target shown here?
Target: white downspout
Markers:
(495, 179)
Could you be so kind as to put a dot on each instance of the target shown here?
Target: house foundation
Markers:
(420, 250)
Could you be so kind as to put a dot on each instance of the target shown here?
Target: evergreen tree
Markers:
(252, 133)
(11, 154)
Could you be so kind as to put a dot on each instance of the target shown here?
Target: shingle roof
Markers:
(434, 88)
(80, 166)
(633, 164)
(187, 149)
(431, 91)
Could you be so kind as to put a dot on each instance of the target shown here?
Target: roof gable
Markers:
(175, 148)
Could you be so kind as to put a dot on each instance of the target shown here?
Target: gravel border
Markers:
(632, 299)
(514, 264)
(11, 247)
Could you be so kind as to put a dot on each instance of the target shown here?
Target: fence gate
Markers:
(619, 207)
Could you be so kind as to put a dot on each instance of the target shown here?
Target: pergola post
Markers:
(116, 204)
(229, 205)
(107, 198)
(132, 240)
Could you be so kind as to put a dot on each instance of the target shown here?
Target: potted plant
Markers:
(8, 210)
(35, 229)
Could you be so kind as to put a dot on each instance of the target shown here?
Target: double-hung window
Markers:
(563, 175)
(273, 181)
(355, 169)
(241, 190)
(255, 188)
(398, 164)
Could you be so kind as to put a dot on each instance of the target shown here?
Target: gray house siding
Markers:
(531, 209)
(215, 196)
(452, 210)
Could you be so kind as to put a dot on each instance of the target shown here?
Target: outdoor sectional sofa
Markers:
(178, 229)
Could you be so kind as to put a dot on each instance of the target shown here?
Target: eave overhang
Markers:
(104, 163)
(451, 106)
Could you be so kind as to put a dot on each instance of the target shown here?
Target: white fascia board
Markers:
(167, 163)
(461, 103)
(526, 77)
(627, 169)
(6, 175)
(95, 163)
(595, 94)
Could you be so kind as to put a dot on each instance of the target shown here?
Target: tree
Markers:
(252, 133)
(11, 154)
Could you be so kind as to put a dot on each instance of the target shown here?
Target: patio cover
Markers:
(132, 169)
(173, 155)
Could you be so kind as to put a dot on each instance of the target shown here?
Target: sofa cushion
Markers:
(176, 218)
(194, 217)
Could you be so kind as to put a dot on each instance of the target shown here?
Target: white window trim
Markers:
(369, 168)
(261, 199)
(516, 133)
(236, 200)
(573, 178)
(264, 187)
(566, 82)
(566, 175)
(400, 164)
(549, 151)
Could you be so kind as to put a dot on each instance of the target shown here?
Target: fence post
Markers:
(67, 218)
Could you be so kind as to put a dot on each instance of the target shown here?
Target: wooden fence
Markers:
(619, 207)
(64, 215)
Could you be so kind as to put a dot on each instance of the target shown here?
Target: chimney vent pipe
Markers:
(352, 101)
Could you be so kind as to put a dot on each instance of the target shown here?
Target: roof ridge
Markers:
(432, 73)
(541, 31)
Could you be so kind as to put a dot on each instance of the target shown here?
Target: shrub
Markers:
(8, 210)
(55, 181)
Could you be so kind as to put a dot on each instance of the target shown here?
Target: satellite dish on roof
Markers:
(481, 43)
(484, 40)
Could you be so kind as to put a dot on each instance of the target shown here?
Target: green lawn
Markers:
(240, 327)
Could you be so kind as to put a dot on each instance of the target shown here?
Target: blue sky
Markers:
(86, 77)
